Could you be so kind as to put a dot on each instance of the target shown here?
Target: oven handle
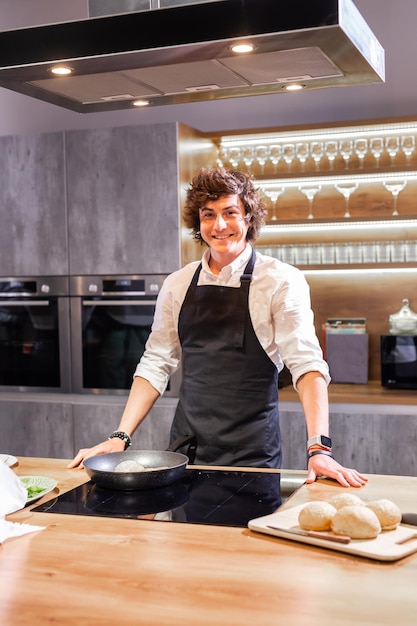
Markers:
(4, 303)
(116, 302)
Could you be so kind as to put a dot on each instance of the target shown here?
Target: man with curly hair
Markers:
(232, 321)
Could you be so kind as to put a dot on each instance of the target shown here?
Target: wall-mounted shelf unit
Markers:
(342, 207)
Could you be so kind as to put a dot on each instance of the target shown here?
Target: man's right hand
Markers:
(110, 445)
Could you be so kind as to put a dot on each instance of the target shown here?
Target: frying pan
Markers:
(101, 468)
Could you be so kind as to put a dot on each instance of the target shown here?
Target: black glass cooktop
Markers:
(223, 498)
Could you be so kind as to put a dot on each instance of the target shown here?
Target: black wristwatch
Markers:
(123, 436)
(320, 440)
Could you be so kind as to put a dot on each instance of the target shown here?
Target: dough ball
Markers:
(345, 499)
(316, 516)
(356, 521)
(129, 466)
(387, 512)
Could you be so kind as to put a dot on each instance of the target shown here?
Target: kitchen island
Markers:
(98, 571)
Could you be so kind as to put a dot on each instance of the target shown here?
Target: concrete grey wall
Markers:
(366, 437)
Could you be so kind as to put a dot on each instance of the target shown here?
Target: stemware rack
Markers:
(347, 175)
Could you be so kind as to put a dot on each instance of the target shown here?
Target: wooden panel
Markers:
(195, 151)
(374, 296)
(371, 394)
(130, 571)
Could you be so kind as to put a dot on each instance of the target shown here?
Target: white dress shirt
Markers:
(279, 306)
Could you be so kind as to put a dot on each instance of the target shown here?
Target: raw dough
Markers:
(356, 521)
(387, 512)
(316, 516)
(129, 466)
(345, 499)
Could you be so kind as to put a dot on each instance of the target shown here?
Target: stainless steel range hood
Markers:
(183, 53)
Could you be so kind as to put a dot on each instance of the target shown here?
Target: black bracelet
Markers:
(326, 452)
(123, 436)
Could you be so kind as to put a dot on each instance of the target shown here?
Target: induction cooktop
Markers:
(215, 497)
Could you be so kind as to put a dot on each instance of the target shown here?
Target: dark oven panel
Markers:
(34, 334)
(111, 319)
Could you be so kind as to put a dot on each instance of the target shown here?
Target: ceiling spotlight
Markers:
(243, 48)
(61, 70)
(141, 103)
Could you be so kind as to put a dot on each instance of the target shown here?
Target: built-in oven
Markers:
(34, 334)
(111, 319)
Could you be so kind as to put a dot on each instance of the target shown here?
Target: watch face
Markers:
(326, 441)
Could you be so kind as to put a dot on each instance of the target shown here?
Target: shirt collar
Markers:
(238, 264)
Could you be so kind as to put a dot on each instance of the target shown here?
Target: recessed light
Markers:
(243, 48)
(141, 103)
(294, 87)
(61, 70)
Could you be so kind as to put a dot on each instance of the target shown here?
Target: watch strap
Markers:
(123, 436)
(320, 440)
(314, 452)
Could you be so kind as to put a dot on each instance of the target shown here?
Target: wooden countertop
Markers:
(372, 393)
(98, 571)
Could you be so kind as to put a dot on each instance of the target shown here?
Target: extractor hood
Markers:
(183, 53)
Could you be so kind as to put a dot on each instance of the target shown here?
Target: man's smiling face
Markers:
(223, 226)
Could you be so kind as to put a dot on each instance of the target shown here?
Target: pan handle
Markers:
(182, 441)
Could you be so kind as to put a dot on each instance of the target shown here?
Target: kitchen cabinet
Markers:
(58, 425)
(123, 209)
(99, 201)
(364, 437)
(33, 233)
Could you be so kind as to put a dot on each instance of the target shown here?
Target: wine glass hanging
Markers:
(273, 194)
(408, 145)
(261, 156)
(248, 156)
(361, 148)
(346, 150)
(234, 156)
(377, 148)
(275, 154)
(317, 152)
(392, 145)
(310, 192)
(331, 150)
(346, 189)
(302, 152)
(395, 187)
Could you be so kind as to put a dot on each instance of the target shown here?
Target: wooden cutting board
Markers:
(388, 546)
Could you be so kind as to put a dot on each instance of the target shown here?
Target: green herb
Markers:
(33, 491)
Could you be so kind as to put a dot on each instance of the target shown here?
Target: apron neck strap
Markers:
(248, 271)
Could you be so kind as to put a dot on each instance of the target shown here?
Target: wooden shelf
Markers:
(372, 393)
(358, 266)
(370, 290)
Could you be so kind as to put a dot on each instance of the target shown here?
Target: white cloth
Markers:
(280, 309)
(13, 496)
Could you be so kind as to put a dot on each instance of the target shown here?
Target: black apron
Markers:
(229, 393)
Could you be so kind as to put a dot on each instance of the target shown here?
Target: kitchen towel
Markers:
(13, 496)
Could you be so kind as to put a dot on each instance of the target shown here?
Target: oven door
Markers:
(34, 344)
(108, 340)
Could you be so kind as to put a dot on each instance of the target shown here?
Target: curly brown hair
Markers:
(211, 184)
